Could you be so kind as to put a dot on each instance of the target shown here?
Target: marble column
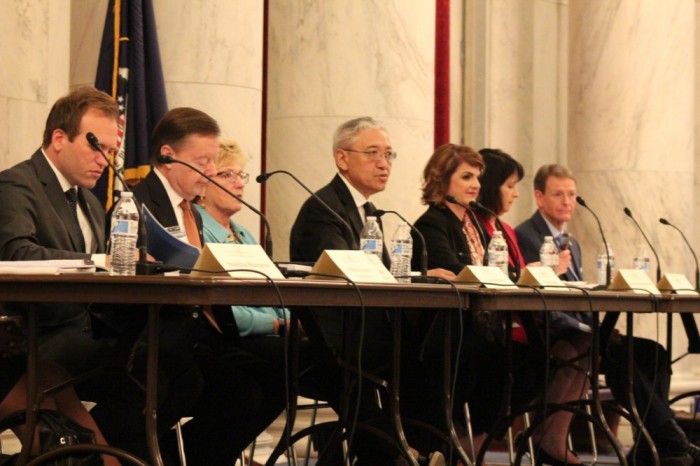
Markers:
(211, 53)
(515, 84)
(333, 60)
(34, 51)
(631, 122)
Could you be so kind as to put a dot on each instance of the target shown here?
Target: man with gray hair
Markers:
(363, 155)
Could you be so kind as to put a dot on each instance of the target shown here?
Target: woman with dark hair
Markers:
(455, 238)
(569, 382)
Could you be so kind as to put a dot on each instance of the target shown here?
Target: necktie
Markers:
(193, 238)
(72, 197)
(370, 210)
(190, 224)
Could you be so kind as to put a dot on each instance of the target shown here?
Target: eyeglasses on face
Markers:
(230, 176)
(375, 155)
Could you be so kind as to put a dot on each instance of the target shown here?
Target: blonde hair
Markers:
(230, 151)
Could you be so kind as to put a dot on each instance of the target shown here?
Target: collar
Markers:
(357, 197)
(175, 198)
(65, 184)
(552, 229)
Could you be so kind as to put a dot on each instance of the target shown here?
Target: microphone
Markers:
(143, 266)
(658, 264)
(697, 268)
(511, 244)
(452, 200)
(583, 204)
(424, 250)
(264, 176)
(691, 328)
(167, 160)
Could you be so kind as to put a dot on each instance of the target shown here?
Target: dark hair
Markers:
(545, 171)
(179, 123)
(441, 166)
(69, 110)
(498, 167)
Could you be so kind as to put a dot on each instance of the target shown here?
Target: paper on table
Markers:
(47, 267)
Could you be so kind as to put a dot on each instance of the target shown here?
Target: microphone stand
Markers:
(264, 176)
(167, 159)
(424, 249)
(143, 265)
(691, 328)
(583, 204)
(658, 263)
(506, 236)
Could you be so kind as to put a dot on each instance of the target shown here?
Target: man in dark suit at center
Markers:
(364, 156)
(555, 194)
(240, 393)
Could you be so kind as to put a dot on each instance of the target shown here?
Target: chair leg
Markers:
(470, 432)
(180, 444)
(591, 432)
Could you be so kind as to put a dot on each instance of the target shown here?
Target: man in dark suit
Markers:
(240, 394)
(49, 213)
(555, 194)
(364, 156)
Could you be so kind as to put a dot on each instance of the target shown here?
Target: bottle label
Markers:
(125, 227)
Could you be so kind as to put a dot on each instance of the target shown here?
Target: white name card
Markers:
(239, 260)
(541, 277)
(357, 266)
(676, 283)
(490, 277)
(637, 281)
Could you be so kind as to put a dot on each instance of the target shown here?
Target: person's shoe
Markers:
(543, 458)
(435, 459)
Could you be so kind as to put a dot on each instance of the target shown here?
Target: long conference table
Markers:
(154, 291)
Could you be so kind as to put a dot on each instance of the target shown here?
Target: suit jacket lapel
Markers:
(97, 233)
(349, 207)
(55, 195)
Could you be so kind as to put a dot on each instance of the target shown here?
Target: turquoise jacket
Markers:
(251, 320)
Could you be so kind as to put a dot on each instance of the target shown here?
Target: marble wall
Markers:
(333, 60)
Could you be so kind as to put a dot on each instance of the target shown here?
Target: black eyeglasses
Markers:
(230, 176)
(375, 155)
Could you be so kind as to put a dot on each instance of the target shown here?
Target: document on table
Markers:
(47, 267)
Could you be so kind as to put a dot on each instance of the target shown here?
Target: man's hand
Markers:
(442, 273)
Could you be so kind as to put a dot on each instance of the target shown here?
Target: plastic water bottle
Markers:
(498, 252)
(122, 239)
(371, 238)
(603, 262)
(641, 260)
(549, 254)
(401, 253)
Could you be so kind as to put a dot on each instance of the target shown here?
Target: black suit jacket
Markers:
(316, 230)
(35, 224)
(530, 235)
(151, 193)
(444, 238)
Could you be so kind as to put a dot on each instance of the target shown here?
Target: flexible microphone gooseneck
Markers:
(697, 268)
(167, 159)
(658, 263)
(452, 200)
(264, 176)
(424, 249)
(511, 244)
(691, 328)
(583, 204)
(143, 266)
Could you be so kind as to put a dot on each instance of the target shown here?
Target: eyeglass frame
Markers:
(374, 154)
(231, 175)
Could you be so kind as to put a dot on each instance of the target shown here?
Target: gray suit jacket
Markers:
(35, 224)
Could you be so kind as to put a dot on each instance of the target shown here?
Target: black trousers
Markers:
(651, 377)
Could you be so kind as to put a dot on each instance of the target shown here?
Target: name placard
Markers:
(543, 277)
(634, 280)
(676, 283)
(489, 277)
(357, 266)
(241, 260)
